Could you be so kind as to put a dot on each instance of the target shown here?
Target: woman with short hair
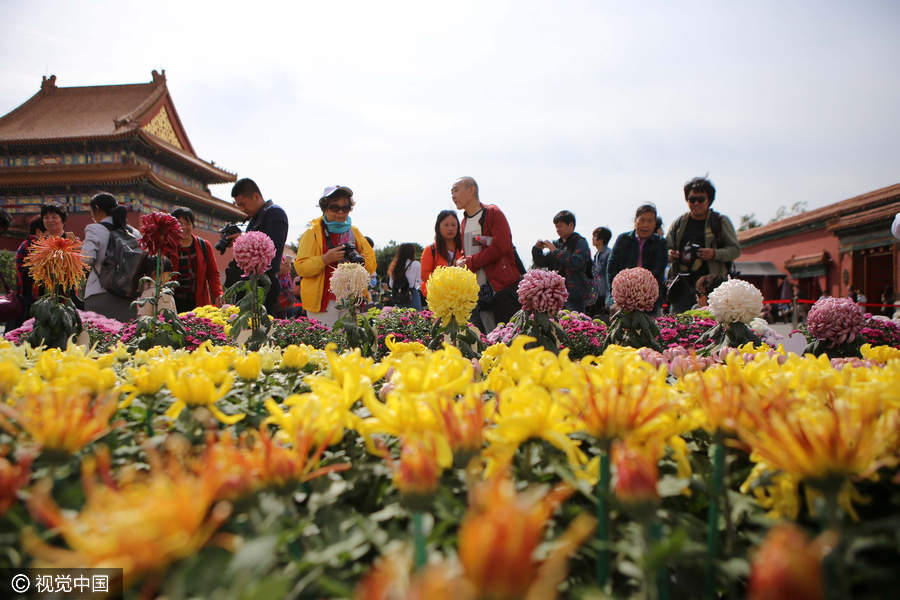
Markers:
(641, 247)
(330, 239)
(199, 283)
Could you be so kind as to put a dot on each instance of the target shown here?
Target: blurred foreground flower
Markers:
(256, 460)
(140, 525)
(636, 475)
(500, 532)
(12, 477)
(60, 420)
(786, 567)
(418, 472)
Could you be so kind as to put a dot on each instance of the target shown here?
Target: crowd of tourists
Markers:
(688, 262)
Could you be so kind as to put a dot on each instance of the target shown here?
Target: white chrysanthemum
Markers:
(735, 300)
(349, 279)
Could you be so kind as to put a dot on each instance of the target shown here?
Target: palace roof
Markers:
(142, 111)
(867, 207)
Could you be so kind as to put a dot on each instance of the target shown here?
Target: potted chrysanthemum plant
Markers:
(835, 325)
(635, 292)
(349, 283)
(253, 253)
(452, 296)
(160, 236)
(734, 304)
(56, 263)
(542, 294)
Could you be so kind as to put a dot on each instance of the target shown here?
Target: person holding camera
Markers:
(330, 239)
(641, 247)
(570, 256)
(198, 274)
(267, 217)
(701, 242)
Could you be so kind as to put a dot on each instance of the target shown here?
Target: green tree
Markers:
(784, 212)
(749, 222)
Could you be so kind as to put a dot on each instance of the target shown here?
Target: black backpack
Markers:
(400, 292)
(122, 266)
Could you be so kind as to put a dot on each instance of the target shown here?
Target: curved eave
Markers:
(95, 175)
(213, 173)
(216, 175)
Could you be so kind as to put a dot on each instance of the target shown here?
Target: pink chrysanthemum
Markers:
(635, 289)
(835, 320)
(160, 234)
(253, 252)
(542, 291)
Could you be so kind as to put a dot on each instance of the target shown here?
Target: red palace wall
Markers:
(779, 250)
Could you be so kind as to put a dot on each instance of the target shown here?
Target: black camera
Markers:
(223, 243)
(690, 253)
(352, 255)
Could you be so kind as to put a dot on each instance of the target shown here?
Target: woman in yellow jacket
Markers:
(330, 239)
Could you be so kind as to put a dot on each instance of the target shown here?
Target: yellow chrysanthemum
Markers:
(452, 292)
(197, 389)
(248, 367)
(880, 354)
(295, 357)
(145, 380)
(55, 260)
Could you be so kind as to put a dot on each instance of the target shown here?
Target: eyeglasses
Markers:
(339, 208)
(697, 199)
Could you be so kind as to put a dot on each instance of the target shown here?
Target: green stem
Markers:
(662, 574)
(603, 517)
(712, 532)
(832, 563)
(419, 540)
(156, 290)
(254, 318)
(148, 417)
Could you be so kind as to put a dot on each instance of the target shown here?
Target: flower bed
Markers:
(296, 471)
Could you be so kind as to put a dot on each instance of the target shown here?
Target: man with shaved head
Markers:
(489, 253)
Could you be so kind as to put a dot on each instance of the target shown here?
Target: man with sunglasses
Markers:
(701, 242)
(330, 240)
(269, 218)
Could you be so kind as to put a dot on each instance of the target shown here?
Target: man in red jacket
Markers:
(198, 274)
(489, 253)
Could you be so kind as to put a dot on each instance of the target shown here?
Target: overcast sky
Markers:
(591, 106)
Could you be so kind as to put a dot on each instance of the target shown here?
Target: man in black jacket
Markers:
(570, 256)
(269, 218)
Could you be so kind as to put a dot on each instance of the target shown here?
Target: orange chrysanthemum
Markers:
(55, 260)
(141, 522)
(256, 460)
(60, 420)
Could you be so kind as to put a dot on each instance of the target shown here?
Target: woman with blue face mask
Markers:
(330, 240)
